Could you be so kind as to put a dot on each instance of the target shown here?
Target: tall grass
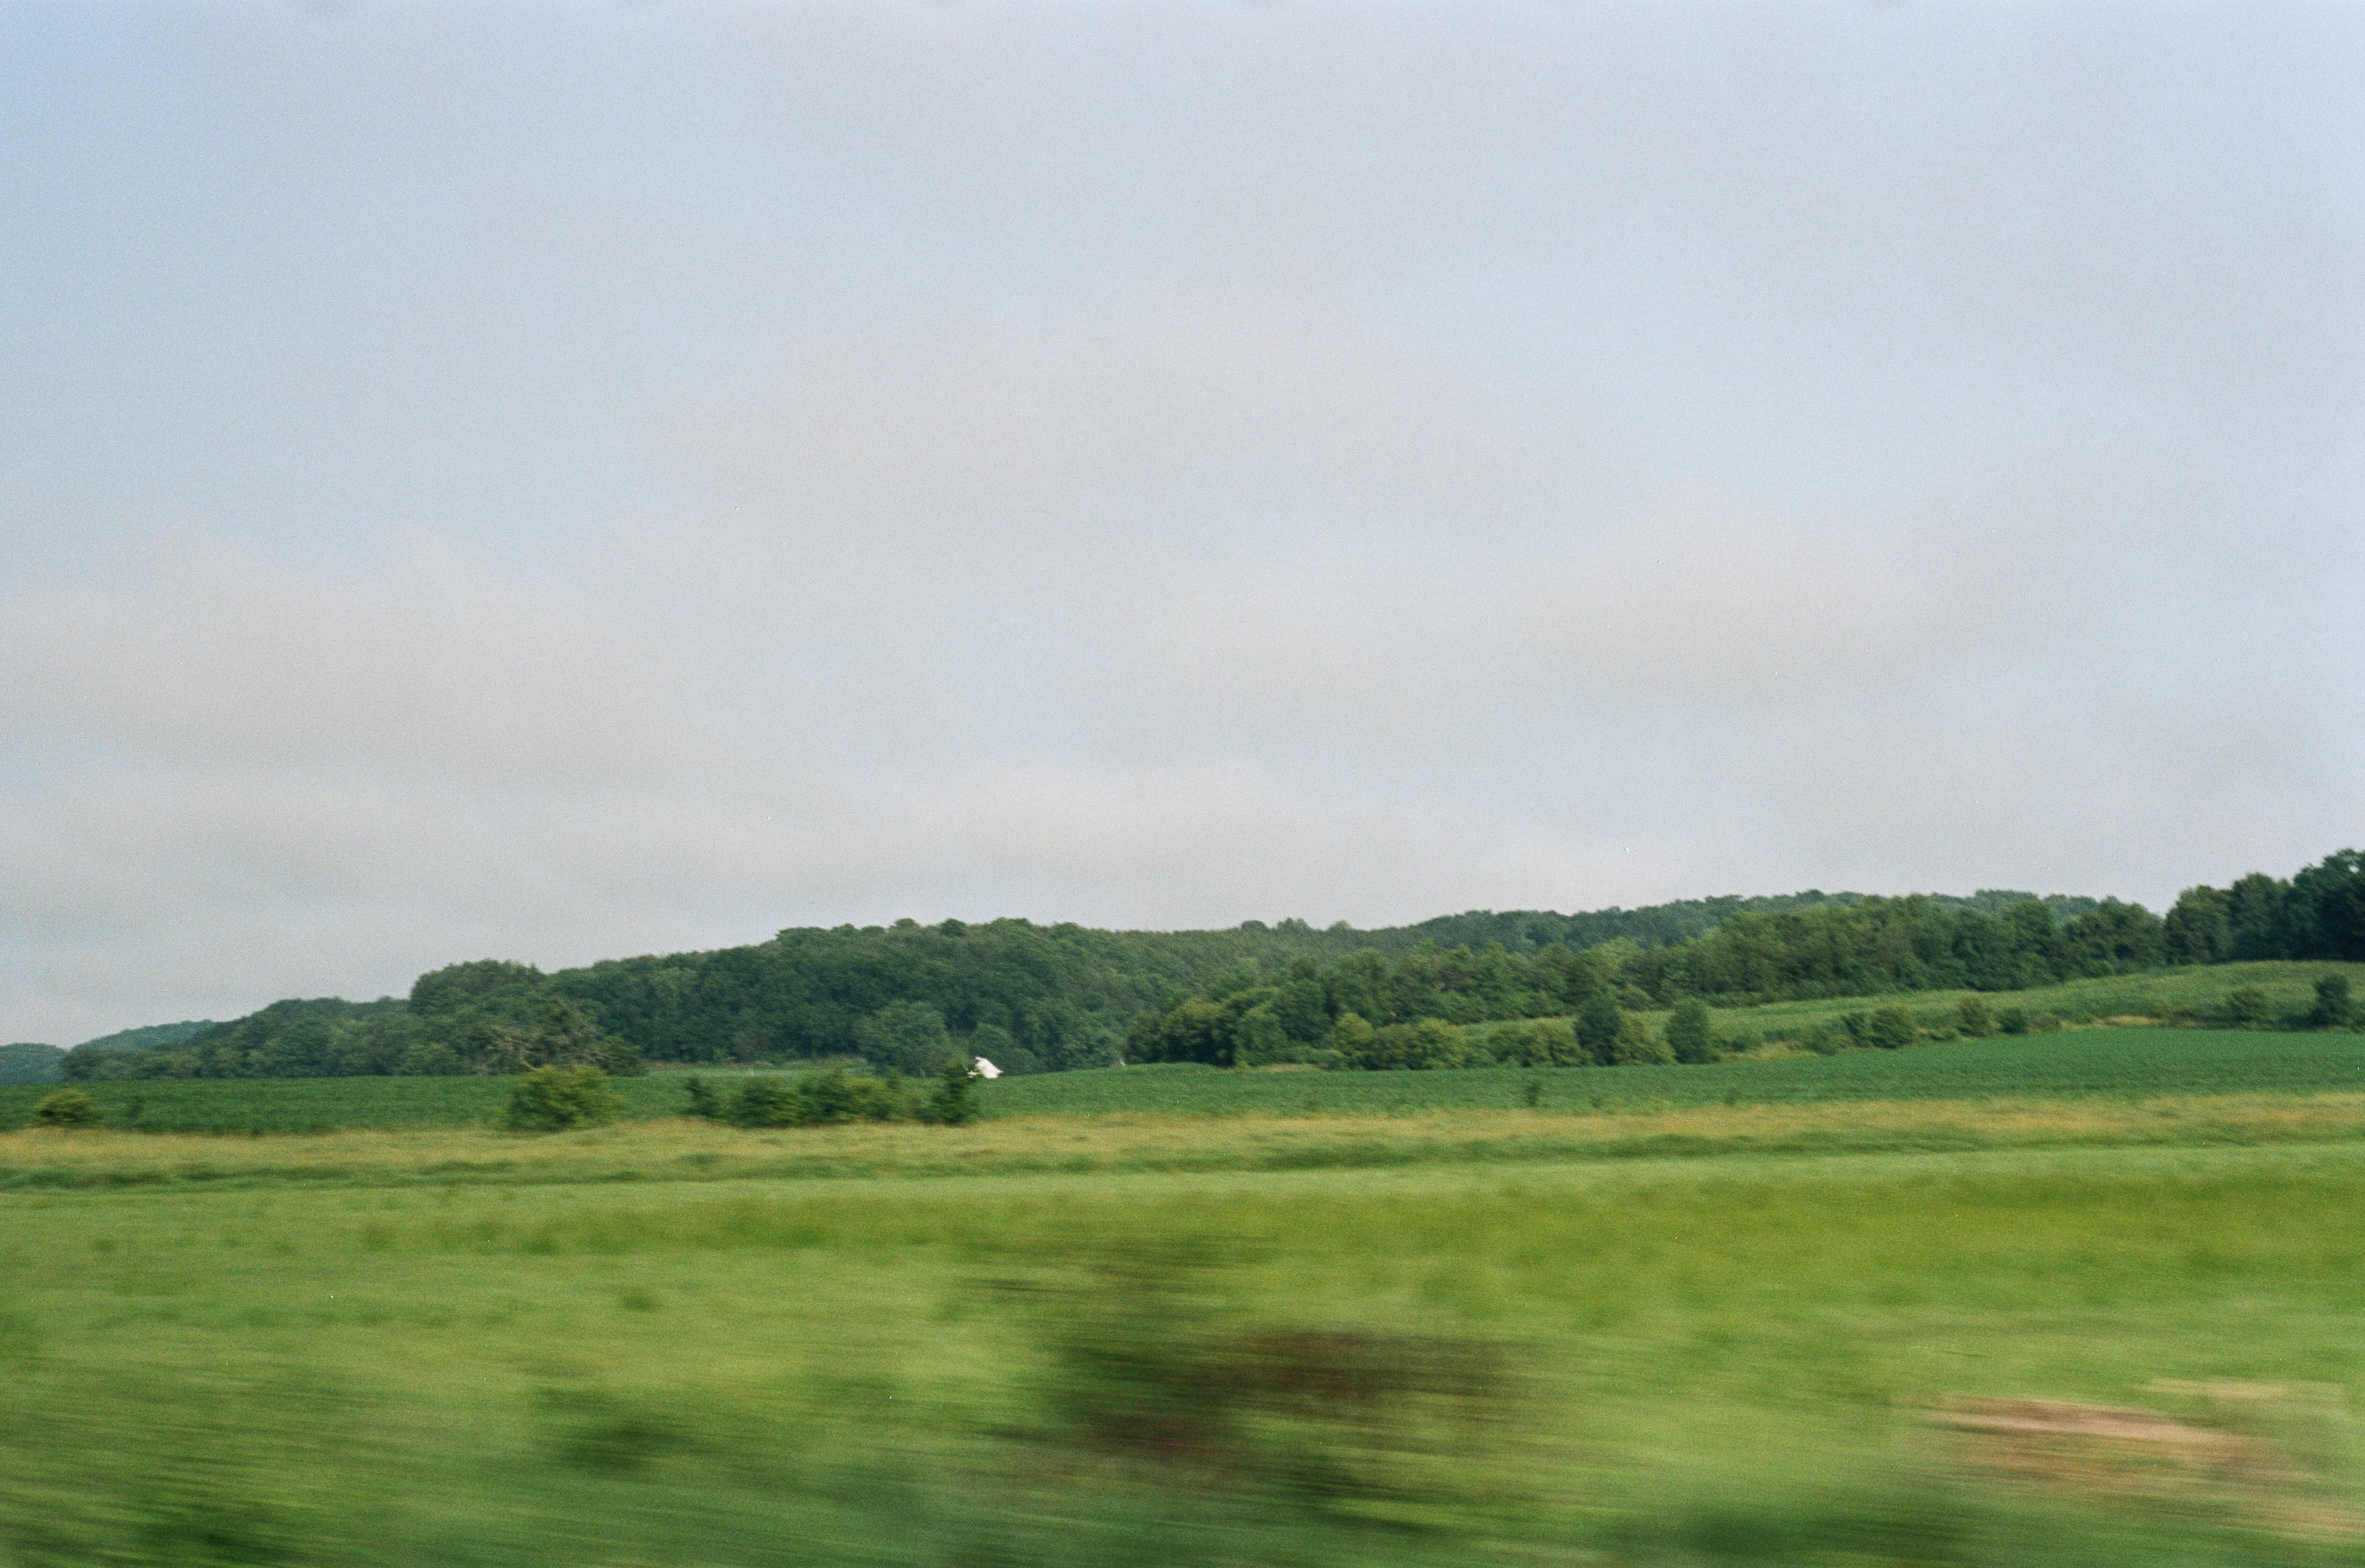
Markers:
(1673, 1362)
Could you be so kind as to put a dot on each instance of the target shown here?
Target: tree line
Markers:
(1038, 998)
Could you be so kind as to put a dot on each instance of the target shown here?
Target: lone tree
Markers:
(552, 1099)
(1688, 1032)
(68, 1108)
(1891, 1027)
(2335, 1008)
(1598, 1024)
(954, 1100)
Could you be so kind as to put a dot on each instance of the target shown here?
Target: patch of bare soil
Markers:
(2239, 1456)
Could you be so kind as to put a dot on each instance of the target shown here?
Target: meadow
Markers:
(2084, 1298)
(2089, 1355)
(2085, 1062)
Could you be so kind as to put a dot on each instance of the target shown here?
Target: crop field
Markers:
(2102, 1061)
(2075, 1063)
(2193, 992)
(2070, 1356)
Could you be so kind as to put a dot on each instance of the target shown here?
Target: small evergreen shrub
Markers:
(68, 1108)
(1690, 1034)
(820, 1099)
(2246, 1008)
(552, 1099)
(1890, 1028)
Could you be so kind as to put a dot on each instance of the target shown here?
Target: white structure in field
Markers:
(987, 1070)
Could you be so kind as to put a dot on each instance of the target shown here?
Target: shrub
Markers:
(68, 1108)
(2246, 1008)
(908, 1037)
(1423, 1044)
(550, 1099)
(1598, 1024)
(1890, 1028)
(823, 1098)
(2012, 1021)
(955, 1100)
(1636, 1045)
(2044, 1024)
(704, 1102)
(2335, 1009)
(1972, 1019)
(1538, 1042)
(1690, 1034)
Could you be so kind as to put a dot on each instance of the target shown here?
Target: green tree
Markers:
(955, 1100)
(1891, 1027)
(1598, 1024)
(1636, 1045)
(2198, 928)
(1973, 1019)
(1690, 1034)
(2246, 1007)
(67, 1108)
(1352, 1036)
(704, 1103)
(550, 1099)
(906, 1035)
(2335, 1008)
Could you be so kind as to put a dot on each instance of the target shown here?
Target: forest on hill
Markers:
(1038, 998)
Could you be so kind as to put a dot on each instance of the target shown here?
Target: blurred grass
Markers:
(675, 1150)
(1703, 1361)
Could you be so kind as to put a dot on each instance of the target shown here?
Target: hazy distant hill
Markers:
(148, 1038)
(30, 1063)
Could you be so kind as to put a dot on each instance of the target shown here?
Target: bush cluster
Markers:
(824, 1099)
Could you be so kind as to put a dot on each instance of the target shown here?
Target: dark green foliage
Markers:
(704, 1102)
(2334, 1007)
(67, 1108)
(905, 1036)
(1051, 998)
(459, 987)
(552, 1099)
(1598, 1026)
(2012, 1021)
(2246, 1008)
(1638, 1044)
(1423, 1046)
(820, 1099)
(30, 1064)
(1690, 1034)
(1972, 1019)
(953, 1101)
(1539, 1042)
(1890, 1028)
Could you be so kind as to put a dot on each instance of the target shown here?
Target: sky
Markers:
(560, 481)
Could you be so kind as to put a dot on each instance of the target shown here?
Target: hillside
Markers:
(1035, 997)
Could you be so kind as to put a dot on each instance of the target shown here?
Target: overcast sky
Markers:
(561, 481)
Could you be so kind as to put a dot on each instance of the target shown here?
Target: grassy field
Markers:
(2081, 1299)
(2105, 1062)
(1736, 1357)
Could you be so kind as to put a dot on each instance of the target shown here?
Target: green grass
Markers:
(2105, 1062)
(1637, 1363)
(2098, 1062)
(2193, 991)
(323, 1104)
